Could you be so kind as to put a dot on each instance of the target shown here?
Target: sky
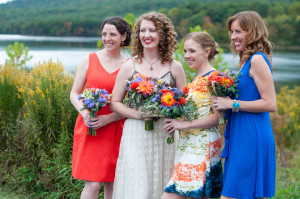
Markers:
(4, 1)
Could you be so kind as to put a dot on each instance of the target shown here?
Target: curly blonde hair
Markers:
(256, 37)
(166, 32)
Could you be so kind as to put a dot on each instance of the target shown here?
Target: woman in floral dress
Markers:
(198, 168)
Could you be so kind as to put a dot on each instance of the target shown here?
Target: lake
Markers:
(71, 50)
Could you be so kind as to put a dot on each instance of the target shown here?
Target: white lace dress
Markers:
(146, 161)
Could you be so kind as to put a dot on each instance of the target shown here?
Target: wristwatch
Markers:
(235, 105)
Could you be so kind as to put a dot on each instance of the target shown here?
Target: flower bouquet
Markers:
(172, 103)
(93, 100)
(140, 89)
(223, 84)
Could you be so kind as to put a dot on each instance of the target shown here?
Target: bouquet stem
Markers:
(222, 117)
(170, 140)
(149, 126)
(91, 130)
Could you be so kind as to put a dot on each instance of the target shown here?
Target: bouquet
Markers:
(223, 84)
(172, 103)
(93, 100)
(138, 90)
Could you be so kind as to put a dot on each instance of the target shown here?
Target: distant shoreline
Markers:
(276, 48)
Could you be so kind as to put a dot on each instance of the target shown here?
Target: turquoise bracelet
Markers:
(235, 105)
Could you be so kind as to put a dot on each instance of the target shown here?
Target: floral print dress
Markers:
(198, 168)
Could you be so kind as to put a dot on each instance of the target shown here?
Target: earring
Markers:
(122, 44)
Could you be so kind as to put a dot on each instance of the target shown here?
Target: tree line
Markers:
(83, 17)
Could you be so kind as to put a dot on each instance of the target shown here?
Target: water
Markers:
(71, 50)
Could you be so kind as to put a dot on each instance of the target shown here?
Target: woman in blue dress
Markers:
(249, 152)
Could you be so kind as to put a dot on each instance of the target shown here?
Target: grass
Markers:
(8, 194)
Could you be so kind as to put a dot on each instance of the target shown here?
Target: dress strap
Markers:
(266, 59)
(133, 64)
(208, 73)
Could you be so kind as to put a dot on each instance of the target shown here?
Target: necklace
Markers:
(151, 67)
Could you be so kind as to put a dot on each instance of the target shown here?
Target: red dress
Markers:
(95, 157)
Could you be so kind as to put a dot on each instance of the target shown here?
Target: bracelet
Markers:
(235, 105)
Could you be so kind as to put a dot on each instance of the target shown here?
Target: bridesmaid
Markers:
(145, 161)
(198, 167)
(249, 152)
(95, 157)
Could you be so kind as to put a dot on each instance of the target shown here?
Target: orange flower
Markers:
(227, 81)
(186, 90)
(167, 99)
(145, 87)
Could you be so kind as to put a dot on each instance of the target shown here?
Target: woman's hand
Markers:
(221, 103)
(86, 116)
(99, 121)
(171, 125)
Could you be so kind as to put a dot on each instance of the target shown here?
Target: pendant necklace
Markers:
(151, 67)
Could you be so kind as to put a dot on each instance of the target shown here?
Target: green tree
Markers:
(18, 54)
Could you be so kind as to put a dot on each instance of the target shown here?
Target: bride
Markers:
(145, 161)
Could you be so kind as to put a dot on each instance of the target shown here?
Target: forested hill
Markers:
(83, 17)
(70, 17)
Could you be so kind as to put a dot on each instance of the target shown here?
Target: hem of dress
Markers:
(247, 197)
(92, 180)
(190, 193)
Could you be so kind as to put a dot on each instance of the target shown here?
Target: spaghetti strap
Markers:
(133, 64)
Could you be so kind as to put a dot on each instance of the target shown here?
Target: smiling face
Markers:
(194, 54)
(111, 37)
(238, 36)
(148, 34)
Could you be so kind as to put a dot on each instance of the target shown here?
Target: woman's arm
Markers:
(263, 79)
(78, 85)
(119, 91)
(178, 72)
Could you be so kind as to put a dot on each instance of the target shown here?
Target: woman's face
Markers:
(111, 37)
(238, 36)
(148, 34)
(194, 54)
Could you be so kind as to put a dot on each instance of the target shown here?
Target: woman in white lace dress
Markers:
(145, 161)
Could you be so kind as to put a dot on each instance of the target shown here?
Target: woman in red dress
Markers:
(95, 157)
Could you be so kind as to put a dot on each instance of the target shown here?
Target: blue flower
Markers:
(103, 91)
(86, 101)
(154, 99)
(79, 96)
(91, 105)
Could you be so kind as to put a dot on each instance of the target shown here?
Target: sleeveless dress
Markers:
(95, 157)
(250, 164)
(145, 161)
(198, 167)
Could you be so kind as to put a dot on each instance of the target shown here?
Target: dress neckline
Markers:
(104, 68)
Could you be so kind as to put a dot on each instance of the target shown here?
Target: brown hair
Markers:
(205, 41)
(167, 36)
(256, 37)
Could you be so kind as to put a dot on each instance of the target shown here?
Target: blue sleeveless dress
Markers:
(249, 152)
